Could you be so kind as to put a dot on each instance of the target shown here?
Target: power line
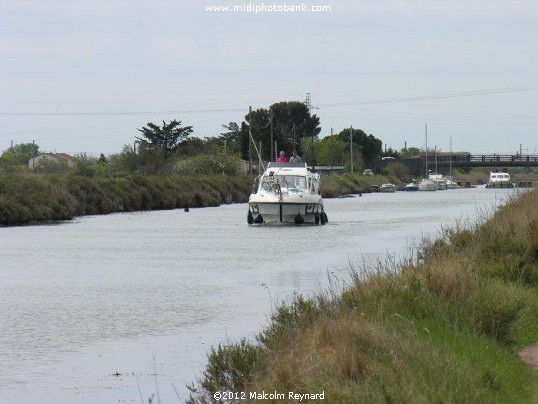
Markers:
(115, 113)
(475, 93)
(436, 97)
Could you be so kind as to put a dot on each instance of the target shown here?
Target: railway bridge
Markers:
(459, 160)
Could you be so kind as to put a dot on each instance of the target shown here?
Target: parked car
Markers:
(367, 172)
(388, 158)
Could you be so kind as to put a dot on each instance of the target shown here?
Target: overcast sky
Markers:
(81, 76)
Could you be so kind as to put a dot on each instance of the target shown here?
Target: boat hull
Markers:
(387, 188)
(411, 188)
(500, 184)
(427, 185)
(286, 211)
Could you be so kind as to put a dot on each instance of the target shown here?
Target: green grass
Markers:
(30, 198)
(445, 328)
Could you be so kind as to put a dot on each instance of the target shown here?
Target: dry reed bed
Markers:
(444, 326)
(30, 198)
(39, 198)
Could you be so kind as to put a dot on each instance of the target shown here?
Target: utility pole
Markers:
(351, 147)
(249, 140)
(426, 131)
(308, 103)
(271, 155)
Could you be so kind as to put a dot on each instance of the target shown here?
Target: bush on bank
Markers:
(29, 198)
(442, 327)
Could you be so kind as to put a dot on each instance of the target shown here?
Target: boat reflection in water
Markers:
(287, 193)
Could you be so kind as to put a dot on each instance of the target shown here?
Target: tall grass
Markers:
(442, 327)
(28, 198)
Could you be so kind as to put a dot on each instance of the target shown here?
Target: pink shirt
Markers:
(282, 160)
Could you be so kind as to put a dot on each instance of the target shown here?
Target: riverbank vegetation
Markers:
(442, 326)
(30, 198)
(36, 198)
(341, 185)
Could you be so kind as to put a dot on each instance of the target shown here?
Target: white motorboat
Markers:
(387, 188)
(499, 180)
(439, 180)
(287, 193)
(427, 185)
(412, 186)
(450, 183)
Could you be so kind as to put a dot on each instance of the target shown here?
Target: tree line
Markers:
(170, 148)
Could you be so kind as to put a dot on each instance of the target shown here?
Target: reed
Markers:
(442, 326)
(28, 198)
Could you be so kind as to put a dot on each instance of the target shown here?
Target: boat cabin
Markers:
(496, 177)
(290, 178)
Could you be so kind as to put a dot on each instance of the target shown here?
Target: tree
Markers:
(332, 151)
(232, 138)
(291, 122)
(410, 152)
(370, 146)
(259, 123)
(20, 154)
(390, 152)
(167, 138)
(192, 146)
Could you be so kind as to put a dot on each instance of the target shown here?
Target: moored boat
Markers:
(439, 180)
(451, 183)
(387, 188)
(427, 185)
(412, 186)
(287, 193)
(499, 180)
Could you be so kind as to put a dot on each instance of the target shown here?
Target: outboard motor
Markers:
(299, 219)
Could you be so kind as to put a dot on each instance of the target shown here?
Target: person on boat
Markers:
(282, 158)
(295, 158)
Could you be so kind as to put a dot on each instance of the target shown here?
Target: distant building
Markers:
(48, 158)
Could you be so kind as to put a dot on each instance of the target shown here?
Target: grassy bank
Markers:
(27, 198)
(444, 327)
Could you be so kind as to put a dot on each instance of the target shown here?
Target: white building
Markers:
(45, 158)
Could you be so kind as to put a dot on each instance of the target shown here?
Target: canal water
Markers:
(123, 307)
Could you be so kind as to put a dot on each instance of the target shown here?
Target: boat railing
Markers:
(294, 165)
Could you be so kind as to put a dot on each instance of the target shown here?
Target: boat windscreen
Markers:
(292, 181)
